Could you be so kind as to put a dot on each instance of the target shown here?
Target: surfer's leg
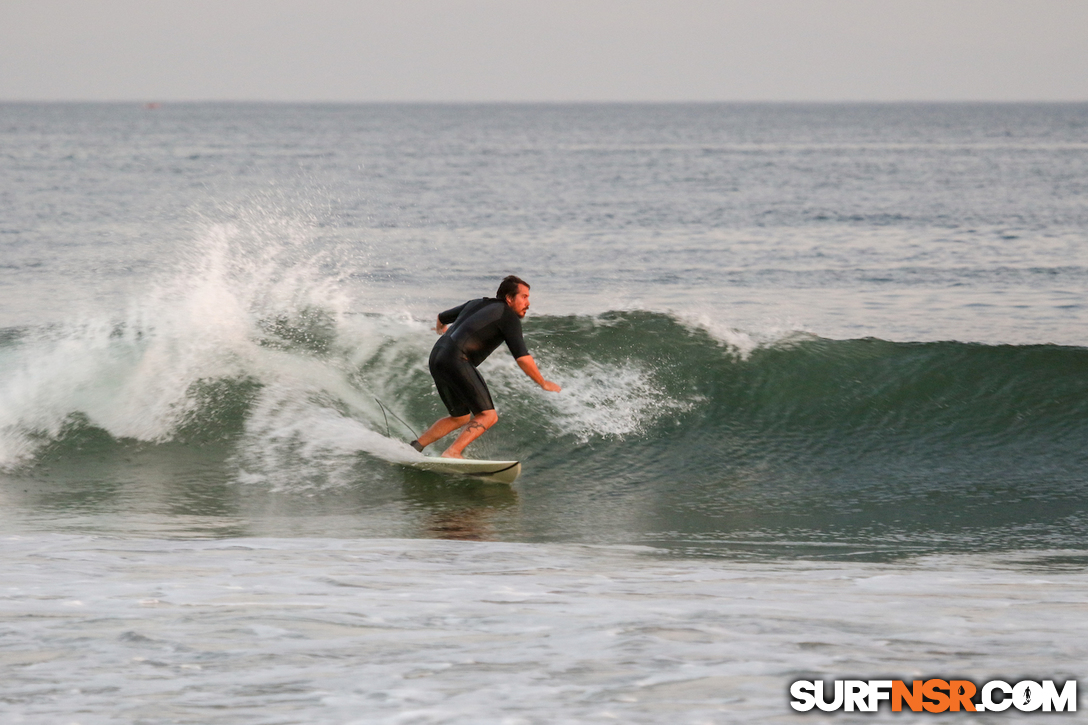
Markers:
(441, 428)
(474, 392)
(477, 426)
(448, 381)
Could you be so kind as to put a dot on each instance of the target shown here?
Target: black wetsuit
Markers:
(476, 328)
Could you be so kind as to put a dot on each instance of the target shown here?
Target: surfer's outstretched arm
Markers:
(528, 366)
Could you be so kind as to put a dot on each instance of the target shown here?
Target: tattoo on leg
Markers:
(474, 425)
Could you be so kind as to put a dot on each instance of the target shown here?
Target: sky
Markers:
(544, 50)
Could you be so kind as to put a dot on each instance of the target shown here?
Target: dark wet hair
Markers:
(509, 286)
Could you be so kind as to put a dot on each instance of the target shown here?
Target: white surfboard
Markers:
(498, 471)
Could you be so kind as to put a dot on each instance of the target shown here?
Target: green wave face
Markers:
(819, 440)
(664, 433)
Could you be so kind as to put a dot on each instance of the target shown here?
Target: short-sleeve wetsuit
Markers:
(476, 328)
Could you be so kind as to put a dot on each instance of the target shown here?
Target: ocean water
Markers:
(825, 409)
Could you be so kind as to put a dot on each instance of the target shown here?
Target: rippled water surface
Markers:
(823, 411)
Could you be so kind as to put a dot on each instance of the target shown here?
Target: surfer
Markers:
(471, 332)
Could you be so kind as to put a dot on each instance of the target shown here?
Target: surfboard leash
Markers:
(386, 413)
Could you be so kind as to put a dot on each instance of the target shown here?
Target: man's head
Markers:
(515, 292)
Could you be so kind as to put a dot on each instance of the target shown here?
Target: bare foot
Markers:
(448, 454)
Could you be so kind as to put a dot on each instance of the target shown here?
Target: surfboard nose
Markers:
(497, 471)
(508, 475)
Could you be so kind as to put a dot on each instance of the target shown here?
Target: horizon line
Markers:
(525, 102)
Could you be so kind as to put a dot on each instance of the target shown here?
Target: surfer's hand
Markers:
(439, 327)
(528, 366)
